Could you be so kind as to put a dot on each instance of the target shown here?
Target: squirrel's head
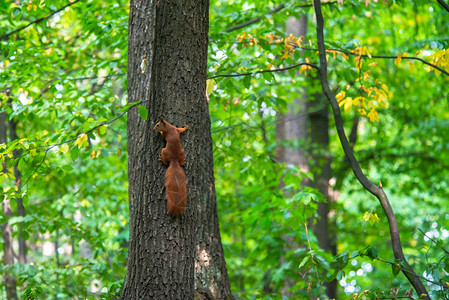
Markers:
(160, 127)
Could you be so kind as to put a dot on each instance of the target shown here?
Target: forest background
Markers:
(64, 146)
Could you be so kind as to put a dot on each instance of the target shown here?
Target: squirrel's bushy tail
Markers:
(175, 184)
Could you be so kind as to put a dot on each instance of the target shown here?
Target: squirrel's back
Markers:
(175, 184)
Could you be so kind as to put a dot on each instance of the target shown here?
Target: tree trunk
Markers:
(292, 126)
(20, 207)
(8, 255)
(319, 136)
(167, 58)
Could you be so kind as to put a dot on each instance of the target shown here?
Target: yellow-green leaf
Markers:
(348, 104)
(372, 115)
(398, 59)
(81, 140)
(103, 129)
(64, 148)
(210, 85)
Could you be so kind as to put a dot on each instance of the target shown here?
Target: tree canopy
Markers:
(63, 92)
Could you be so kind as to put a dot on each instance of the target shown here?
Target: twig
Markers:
(239, 26)
(265, 71)
(273, 11)
(6, 35)
(407, 271)
(355, 166)
(35, 170)
(89, 78)
(390, 57)
(311, 255)
(400, 267)
(447, 252)
(49, 147)
(360, 55)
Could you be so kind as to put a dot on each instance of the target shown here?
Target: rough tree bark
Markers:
(169, 256)
(355, 166)
(8, 255)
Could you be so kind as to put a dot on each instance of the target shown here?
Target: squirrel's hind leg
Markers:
(163, 158)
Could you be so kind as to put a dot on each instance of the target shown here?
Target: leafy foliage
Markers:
(63, 84)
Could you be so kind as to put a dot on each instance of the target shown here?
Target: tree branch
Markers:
(390, 57)
(444, 4)
(363, 55)
(49, 147)
(265, 71)
(6, 35)
(436, 243)
(361, 177)
(273, 11)
(245, 24)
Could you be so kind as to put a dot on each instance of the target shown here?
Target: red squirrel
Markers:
(173, 155)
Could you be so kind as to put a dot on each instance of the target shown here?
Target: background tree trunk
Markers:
(20, 207)
(167, 60)
(292, 126)
(308, 117)
(8, 255)
(319, 136)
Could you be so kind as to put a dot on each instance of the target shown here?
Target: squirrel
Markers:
(175, 178)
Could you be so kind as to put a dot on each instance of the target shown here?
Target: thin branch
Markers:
(447, 252)
(49, 147)
(444, 4)
(6, 35)
(273, 11)
(391, 57)
(355, 54)
(89, 78)
(35, 170)
(422, 155)
(99, 125)
(361, 177)
(266, 71)
(400, 267)
(245, 24)
(408, 271)
(313, 260)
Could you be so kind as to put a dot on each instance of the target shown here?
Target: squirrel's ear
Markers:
(162, 120)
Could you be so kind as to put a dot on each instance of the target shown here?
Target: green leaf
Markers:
(395, 270)
(247, 81)
(268, 76)
(340, 275)
(67, 168)
(355, 254)
(304, 261)
(25, 219)
(143, 112)
(103, 129)
(74, 153)
(104, 152)
(372, 252)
